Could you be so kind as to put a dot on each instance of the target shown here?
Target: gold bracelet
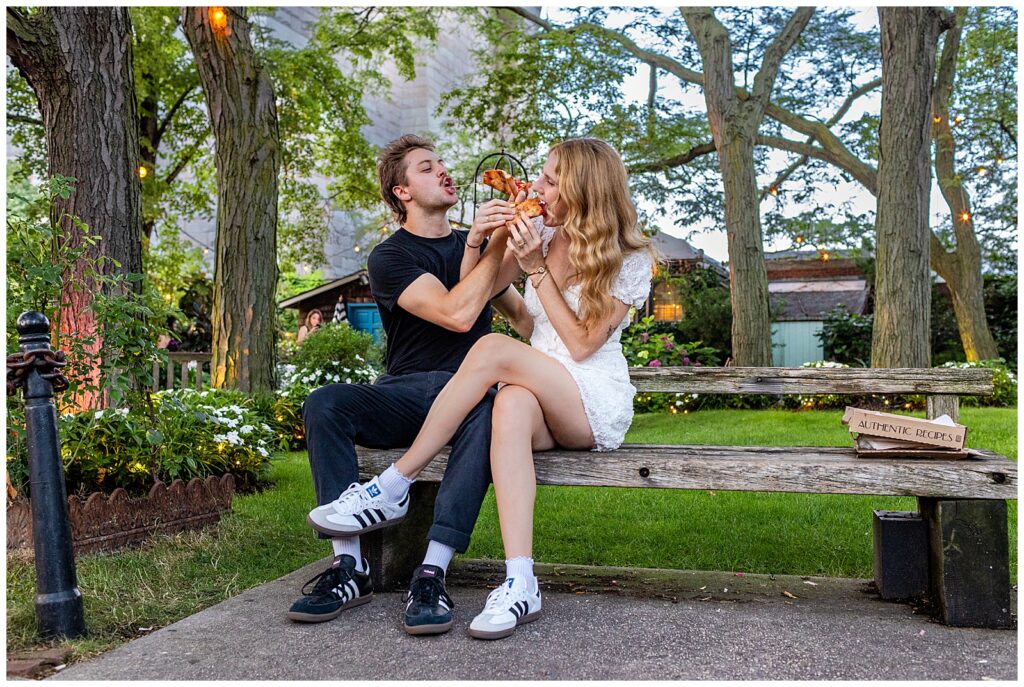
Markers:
(543, 274)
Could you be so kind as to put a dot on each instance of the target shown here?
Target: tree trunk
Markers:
(961, 267)
(748, 276)
(903, 282)
(78, 61)
(243, 115)
(734, 124)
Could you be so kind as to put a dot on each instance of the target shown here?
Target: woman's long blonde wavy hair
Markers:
(600, 220)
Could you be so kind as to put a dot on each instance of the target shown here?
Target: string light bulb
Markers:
(774, 191)
(936, 119)
(143, 172)
(999, 159)
(356, 249)
(965, 216)
(218, 18)
(798, 239)
(958, 119)
(825, 256)
(982, 171)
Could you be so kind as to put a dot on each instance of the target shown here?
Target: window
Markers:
(667, 304)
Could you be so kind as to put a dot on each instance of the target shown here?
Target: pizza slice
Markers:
(506, 183)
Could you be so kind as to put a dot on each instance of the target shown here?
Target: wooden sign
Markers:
(909, 429)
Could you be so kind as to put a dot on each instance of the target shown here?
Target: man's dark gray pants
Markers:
(388, 414)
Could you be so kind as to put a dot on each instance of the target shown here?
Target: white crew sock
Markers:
(521, 566)
(349, 546)
(438, 554)
(394, 484)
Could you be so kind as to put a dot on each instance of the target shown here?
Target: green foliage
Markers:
(707, 310)
(1003, 379)
(985, 97)
(319, 88)
(172, 263)
(846, 337)
(129, 313)
(336, 343)
(182, 434)
(333, 354)
(1001, 311)
(644, 346)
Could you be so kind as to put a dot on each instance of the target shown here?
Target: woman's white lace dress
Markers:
(603, 378)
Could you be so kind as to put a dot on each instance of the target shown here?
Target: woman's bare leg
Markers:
(517, 430)
(498, 358)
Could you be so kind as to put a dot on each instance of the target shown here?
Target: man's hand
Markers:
(490, 216)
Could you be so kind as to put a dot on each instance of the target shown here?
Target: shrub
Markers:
(335, 343)
(296, 383)
(1003, 379)
(184, 434)
(644, 347)
(846, 337)
(1001, 310)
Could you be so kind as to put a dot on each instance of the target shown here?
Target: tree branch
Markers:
(839, 114)
(764, 80)
(182, 163)
(170, 115)
(819, 131)
(24, 34)
(674, 161)
(21, 119)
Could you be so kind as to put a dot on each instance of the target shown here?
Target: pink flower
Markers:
(669, 345)
(686, 361)
(697, 364)
(654, 363)
(644, 336)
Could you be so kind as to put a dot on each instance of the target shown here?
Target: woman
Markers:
(311, 324)
(587, 263)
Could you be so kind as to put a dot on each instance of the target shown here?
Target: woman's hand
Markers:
(525, 244)
(492, 215)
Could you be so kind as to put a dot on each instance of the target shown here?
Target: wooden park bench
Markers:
(962, 502)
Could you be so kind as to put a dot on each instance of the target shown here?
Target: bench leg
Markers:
(969, 566)
(394, 552)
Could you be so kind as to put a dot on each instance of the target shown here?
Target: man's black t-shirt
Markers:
(414, 344)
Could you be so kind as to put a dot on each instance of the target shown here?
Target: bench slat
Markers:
(805, 469)
(820, 380)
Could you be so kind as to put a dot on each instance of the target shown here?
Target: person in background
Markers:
(310, 325)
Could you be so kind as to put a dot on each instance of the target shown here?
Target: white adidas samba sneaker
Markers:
(508, 606)
(360, 508)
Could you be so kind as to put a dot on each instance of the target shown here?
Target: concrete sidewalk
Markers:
(666, 625)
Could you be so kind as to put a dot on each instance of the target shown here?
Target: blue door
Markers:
(365, 317)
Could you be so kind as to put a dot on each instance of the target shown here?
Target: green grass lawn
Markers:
(171, 577)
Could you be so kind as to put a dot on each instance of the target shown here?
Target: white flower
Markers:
(262, 451)
(245, 429)
(234, 438)
(219, 438)
(99, 414)
(123, 412)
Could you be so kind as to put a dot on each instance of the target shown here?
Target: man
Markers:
(432, 319)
